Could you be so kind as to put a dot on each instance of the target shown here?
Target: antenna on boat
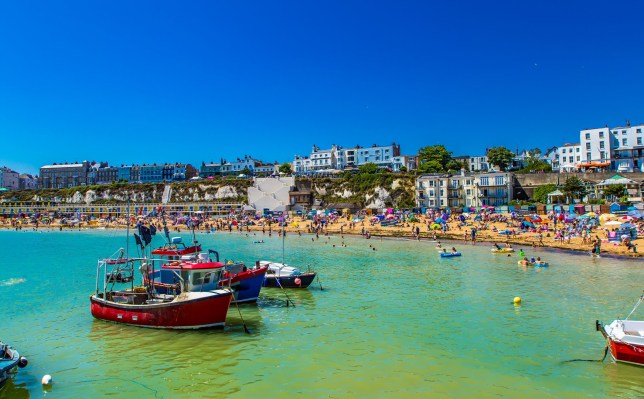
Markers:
(127, 234)
(283, 236)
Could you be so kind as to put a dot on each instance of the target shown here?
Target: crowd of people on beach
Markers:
(552, 229)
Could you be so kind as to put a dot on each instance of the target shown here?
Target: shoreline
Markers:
(521, 241)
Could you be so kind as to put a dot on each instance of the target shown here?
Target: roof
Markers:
(71, 165)
(617, 179)
(192, 266)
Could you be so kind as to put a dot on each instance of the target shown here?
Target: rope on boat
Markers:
(287, 298)
(590, 360)
(317, 276)
(240, 316)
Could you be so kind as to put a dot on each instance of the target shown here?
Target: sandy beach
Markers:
(486, 233)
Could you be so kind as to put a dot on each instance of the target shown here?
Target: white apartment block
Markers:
(338, 158)
(463, 190)
(617, 148)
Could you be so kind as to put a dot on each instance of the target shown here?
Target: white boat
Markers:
(285, 276)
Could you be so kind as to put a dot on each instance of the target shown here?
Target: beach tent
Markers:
(579, 209)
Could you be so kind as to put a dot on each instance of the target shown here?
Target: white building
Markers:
(568, 157)
(338, 158)
(463, 190)
(380, 155)
(616, 148)
(301, 165)
(9, 179)
(28, 182)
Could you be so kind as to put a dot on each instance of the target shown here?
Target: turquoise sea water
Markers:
(395, 322)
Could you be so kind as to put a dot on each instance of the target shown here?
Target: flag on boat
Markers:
(138, 240)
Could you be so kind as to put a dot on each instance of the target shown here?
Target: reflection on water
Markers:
(393, 319)
(15, 390)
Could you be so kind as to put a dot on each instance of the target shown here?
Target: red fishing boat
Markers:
(625, 338)
(144, 307)
(175, 248)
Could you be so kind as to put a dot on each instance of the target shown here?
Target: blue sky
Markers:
(154, 81)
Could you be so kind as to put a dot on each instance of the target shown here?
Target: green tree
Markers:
(431, 166)
(501, 157)
(437, 155)
(536, 165)
(614, 190)
(454, 165)
(403, 169)
(574, 188)
(285, 168)
(540, 193)
(368, 168)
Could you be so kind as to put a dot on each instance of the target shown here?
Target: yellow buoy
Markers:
(517, 300)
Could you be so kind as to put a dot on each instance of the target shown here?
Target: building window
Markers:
(570, 159)
(639, 141)
(639, 130)
(624, 141)
(577, 149)
(588, 136)
(623, 132)
(563, 150)
(601, 144)
(484, 181)
(587, 146)
(578, 158)
(498, 180)
(601, 135)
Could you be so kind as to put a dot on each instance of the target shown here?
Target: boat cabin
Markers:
(195, 272)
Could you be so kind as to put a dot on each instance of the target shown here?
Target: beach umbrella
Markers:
(631, 208)
(627, 226)
(591, 214)
(607, 216)
(612, 223)
(635, 214)
(435, 226)
(626, 218)
(584, 217)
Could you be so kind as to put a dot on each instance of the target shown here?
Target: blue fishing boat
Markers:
(10, 360)
(202, 273)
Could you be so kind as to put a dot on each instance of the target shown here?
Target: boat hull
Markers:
(9, 362)
(305, 279)
(626, 353)
(246, 286)
(192, 311)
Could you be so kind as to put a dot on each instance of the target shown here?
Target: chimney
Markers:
(628, 123)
